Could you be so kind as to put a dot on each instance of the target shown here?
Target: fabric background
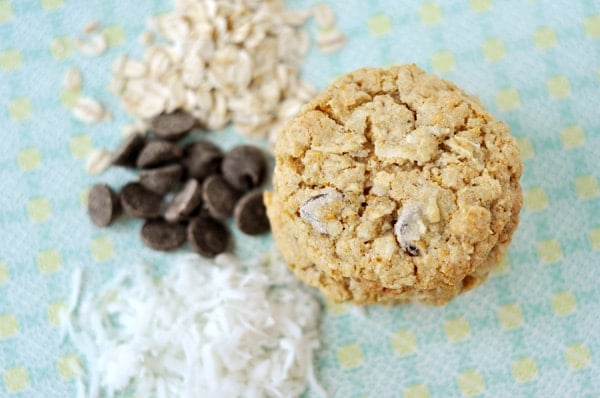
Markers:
(532, 330)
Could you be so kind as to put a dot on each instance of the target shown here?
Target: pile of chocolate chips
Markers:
(210, 186)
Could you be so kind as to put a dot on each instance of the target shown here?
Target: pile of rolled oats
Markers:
(225, 61)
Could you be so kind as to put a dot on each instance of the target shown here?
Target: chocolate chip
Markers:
(207, 236)
(137, 201)
(184, 202)
(157, 153)
(250, 214)
(172, 126)
(103, 205)
(201, 159)
(244, 167)
(163, 236)
(128, 150)
(162, 179)
(219, 197)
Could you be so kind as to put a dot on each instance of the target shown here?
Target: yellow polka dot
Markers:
(480, 5)
(379, 25)
(587, 187)
(83, 196)
(535, 199)
(417, 391)
(457, 329)
(525, 148)
(81, 146)
(69, 366)
(502, 268)
(493, 49)
(544, 38)
(524, 370)
(39, 210)
(572, 137)
(350, 356)
(29, 159)
(61, 47)
(508, 99)
(102, 249)
(69, 97)
(335, 308)
(549, 251)
(49, 261)
(114, 35)
(404, 342)
(578, 356)
(10, 59)
(443, 61)
(430, 14)
(5, 11)
(19, 109)
(510, 316)
(594, 237)
(56, 311)
(563, 303)
(591, 25)
(471, 383)
(16, 379)
(52, 4)
(558, 87)
(4, 274)
(9, 326)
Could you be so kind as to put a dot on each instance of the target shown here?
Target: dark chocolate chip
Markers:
(184, 202)
(137, 201)
(250, 214)
(244, 167)
(128, 151)
(161, 235)
(219, 197)
(162, 179)
(172, 126)
(201, 159)
(207, 236)
(157, 153)
(103, 205)
(412, 250)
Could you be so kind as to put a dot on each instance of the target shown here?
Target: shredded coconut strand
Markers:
(207, 328)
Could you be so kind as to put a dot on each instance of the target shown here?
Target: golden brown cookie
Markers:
(394, 185)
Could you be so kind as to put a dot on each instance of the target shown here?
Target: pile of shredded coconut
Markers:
(206, 329)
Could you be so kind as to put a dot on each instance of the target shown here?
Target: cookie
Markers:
(394, 185)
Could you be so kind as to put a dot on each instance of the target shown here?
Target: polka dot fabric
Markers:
(532, 330)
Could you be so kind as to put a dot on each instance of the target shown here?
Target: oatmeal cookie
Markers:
(394, 185)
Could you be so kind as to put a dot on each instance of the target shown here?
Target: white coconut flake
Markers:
(207, 328)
